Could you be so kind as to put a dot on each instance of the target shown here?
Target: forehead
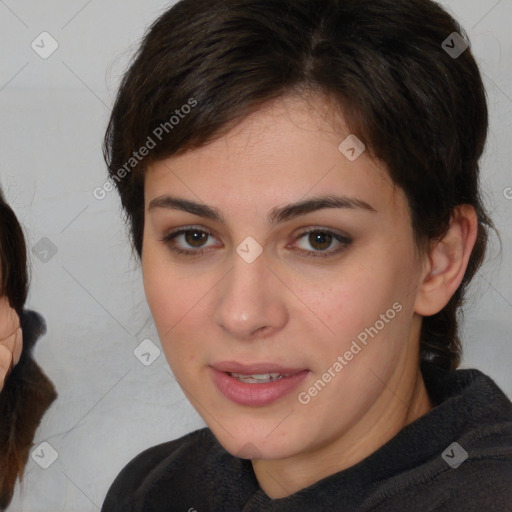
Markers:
(283, 152)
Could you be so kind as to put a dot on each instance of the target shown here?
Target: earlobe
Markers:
(447, 262)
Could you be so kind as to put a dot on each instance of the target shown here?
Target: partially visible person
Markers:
(11, 339)
(25, 391)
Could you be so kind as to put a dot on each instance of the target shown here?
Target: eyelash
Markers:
(345, 241)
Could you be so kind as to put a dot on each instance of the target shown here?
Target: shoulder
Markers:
(478, 469)
(481, 482)
(472, 473)
(459, 453)
(146, 469)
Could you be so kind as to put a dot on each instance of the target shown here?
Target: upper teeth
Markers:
(259, 377)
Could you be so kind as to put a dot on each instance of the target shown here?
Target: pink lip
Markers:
(251, 369)
(255, 394)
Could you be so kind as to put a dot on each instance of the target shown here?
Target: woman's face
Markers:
(322, 295)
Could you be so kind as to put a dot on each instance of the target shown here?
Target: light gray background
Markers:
(53, 116)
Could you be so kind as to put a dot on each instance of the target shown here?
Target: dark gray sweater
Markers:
(417, 470)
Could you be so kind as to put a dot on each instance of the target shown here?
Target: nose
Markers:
(251, 300)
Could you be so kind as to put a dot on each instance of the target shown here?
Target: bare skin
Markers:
(287, 307)
(11, 339)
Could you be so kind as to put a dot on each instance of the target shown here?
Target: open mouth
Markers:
(256, 387)
(259, 378)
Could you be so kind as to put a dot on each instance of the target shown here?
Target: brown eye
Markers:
(195, 238)
(317, 241)
(320, 240)
(189, 241)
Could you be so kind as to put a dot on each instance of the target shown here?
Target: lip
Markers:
(251, 369)
(255, 395)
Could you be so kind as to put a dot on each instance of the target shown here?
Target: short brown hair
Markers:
(417, 108)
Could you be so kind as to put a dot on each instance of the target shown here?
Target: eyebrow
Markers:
(276, 215)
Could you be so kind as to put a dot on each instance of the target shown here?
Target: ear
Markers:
(447, 262)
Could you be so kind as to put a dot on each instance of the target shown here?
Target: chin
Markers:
(258, 445)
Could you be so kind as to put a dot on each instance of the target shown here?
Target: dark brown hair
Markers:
(417, 108)
(14, 279)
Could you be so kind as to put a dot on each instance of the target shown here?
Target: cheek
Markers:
(164, 294)
(361, 348)
(167, 301)
(176, 307)
(350, 303)
(366, 304)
